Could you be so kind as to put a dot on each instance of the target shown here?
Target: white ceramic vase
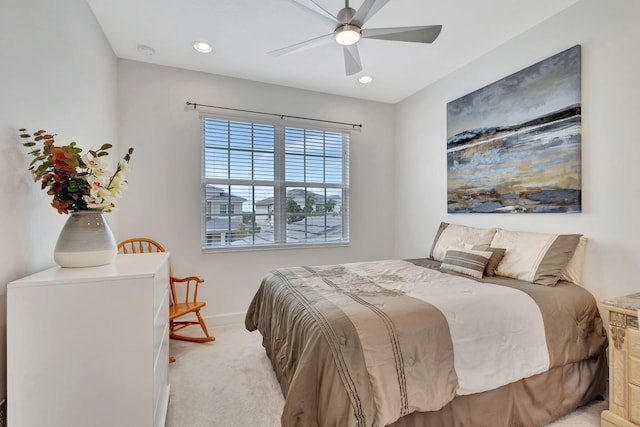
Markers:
(85, 241)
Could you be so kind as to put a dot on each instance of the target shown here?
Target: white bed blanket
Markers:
(497, 332)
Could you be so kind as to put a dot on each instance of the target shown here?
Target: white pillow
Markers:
(459, 236)
(573, 271)
(534, 257)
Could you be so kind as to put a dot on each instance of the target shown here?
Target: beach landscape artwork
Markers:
(514, 146)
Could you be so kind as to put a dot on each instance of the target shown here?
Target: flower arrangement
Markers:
(76, 182)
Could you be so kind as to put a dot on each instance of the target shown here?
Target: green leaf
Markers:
(103, 153)
(29, 144)
(106, 146)
(22, 130)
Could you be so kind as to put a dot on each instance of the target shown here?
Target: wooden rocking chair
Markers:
(183, 301)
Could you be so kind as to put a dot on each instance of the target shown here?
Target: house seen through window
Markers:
(273, 185)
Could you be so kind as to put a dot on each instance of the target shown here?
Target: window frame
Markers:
(279, 185)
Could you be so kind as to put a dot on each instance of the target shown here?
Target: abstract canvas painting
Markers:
(514, 146)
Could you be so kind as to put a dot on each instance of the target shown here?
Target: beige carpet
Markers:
(229, 383)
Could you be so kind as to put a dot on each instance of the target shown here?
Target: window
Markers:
(266, 185)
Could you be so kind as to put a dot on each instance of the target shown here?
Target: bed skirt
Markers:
(533, 401)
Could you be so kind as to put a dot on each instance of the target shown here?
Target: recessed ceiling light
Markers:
(145, 50)
(202, 47)
(365, 79)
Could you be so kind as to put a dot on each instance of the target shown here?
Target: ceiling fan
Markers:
(348, 31)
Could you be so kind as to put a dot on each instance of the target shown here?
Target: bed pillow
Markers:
(466, 261)
(459, 236)
(534, 257)
(573, 270)
(496, 257)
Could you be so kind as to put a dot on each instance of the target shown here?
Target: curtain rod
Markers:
(282, 116)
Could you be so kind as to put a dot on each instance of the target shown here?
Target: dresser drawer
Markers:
(633, 339)
(609, 419)
(160, 284)
(634, 404)
(161, 370)
(634, 371)
(161, 324)
(633, 336)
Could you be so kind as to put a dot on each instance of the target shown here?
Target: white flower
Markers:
(103, 189)
(123, 165)
(96, 166)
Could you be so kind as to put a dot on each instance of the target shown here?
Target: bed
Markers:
(435, 341)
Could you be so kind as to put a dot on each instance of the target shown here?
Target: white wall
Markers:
(57, 73)
(610, 37)
(163, 199)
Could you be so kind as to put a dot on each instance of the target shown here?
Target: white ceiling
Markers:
(243, 31)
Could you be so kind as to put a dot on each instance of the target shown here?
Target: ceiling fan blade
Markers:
(318, 11)
(404, 34)
(367, 10)
(352, 62)
(303, 45)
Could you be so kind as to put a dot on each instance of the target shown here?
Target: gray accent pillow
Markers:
(466, 261)
(496, 257)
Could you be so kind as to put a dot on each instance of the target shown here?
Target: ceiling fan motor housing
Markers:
(346, 15)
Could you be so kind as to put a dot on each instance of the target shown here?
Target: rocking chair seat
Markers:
(178, 310)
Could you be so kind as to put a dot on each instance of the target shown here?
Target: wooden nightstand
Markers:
(624, 362)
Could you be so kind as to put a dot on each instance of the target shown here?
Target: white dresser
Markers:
(90, 346)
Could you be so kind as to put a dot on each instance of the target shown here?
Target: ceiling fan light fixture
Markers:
(346, 35)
